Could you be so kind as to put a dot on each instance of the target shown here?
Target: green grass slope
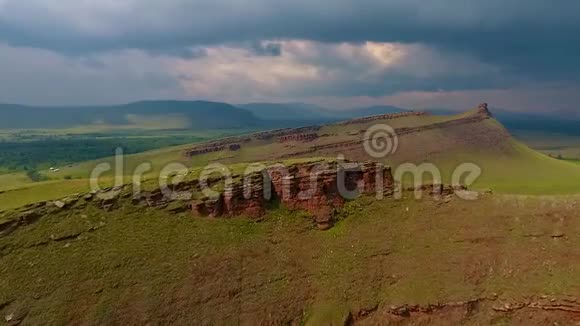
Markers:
(507, 165)
(138, 265)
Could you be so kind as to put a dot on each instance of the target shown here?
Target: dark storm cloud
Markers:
(535, 37)
(480, 25)
(535, 40)
(136, 23)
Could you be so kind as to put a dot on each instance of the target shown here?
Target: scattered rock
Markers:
(363, 312)
(324, 226)
(467, 194)
(557, 234)
(535, 234)
(401, 311)
(177, 206)
(59, 204)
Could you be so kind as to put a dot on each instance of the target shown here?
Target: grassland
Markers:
(507, 165)
(37, 150)
(530, 173)
(136, 265)
(523, 171)
(139, 125)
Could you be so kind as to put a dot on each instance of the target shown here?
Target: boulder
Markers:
(59, 204)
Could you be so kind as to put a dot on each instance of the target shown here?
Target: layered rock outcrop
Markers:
(481, 114)
(318, 188)
(483, 110)
(237, 142)
(387, 116)
(298, 137)
(310, 133)
(205, 150)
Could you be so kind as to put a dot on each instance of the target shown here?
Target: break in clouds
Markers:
(356, 52)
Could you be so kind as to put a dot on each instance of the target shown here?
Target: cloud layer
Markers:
(262, 49)
(307, 68)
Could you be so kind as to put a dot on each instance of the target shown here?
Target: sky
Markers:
(520, 55)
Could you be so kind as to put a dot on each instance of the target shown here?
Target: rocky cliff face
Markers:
(483, 110)
(318, 188)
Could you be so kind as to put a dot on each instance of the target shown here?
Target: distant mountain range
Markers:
(203, 115)
(199, 114)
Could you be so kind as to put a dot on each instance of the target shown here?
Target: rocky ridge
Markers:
(305, 134)
(319, 188)
(316, 188)
(481, 114)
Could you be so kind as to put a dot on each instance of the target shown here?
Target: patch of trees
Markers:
(40, 154)
(35, 176)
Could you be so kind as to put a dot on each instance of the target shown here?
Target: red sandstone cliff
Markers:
(318, 188)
